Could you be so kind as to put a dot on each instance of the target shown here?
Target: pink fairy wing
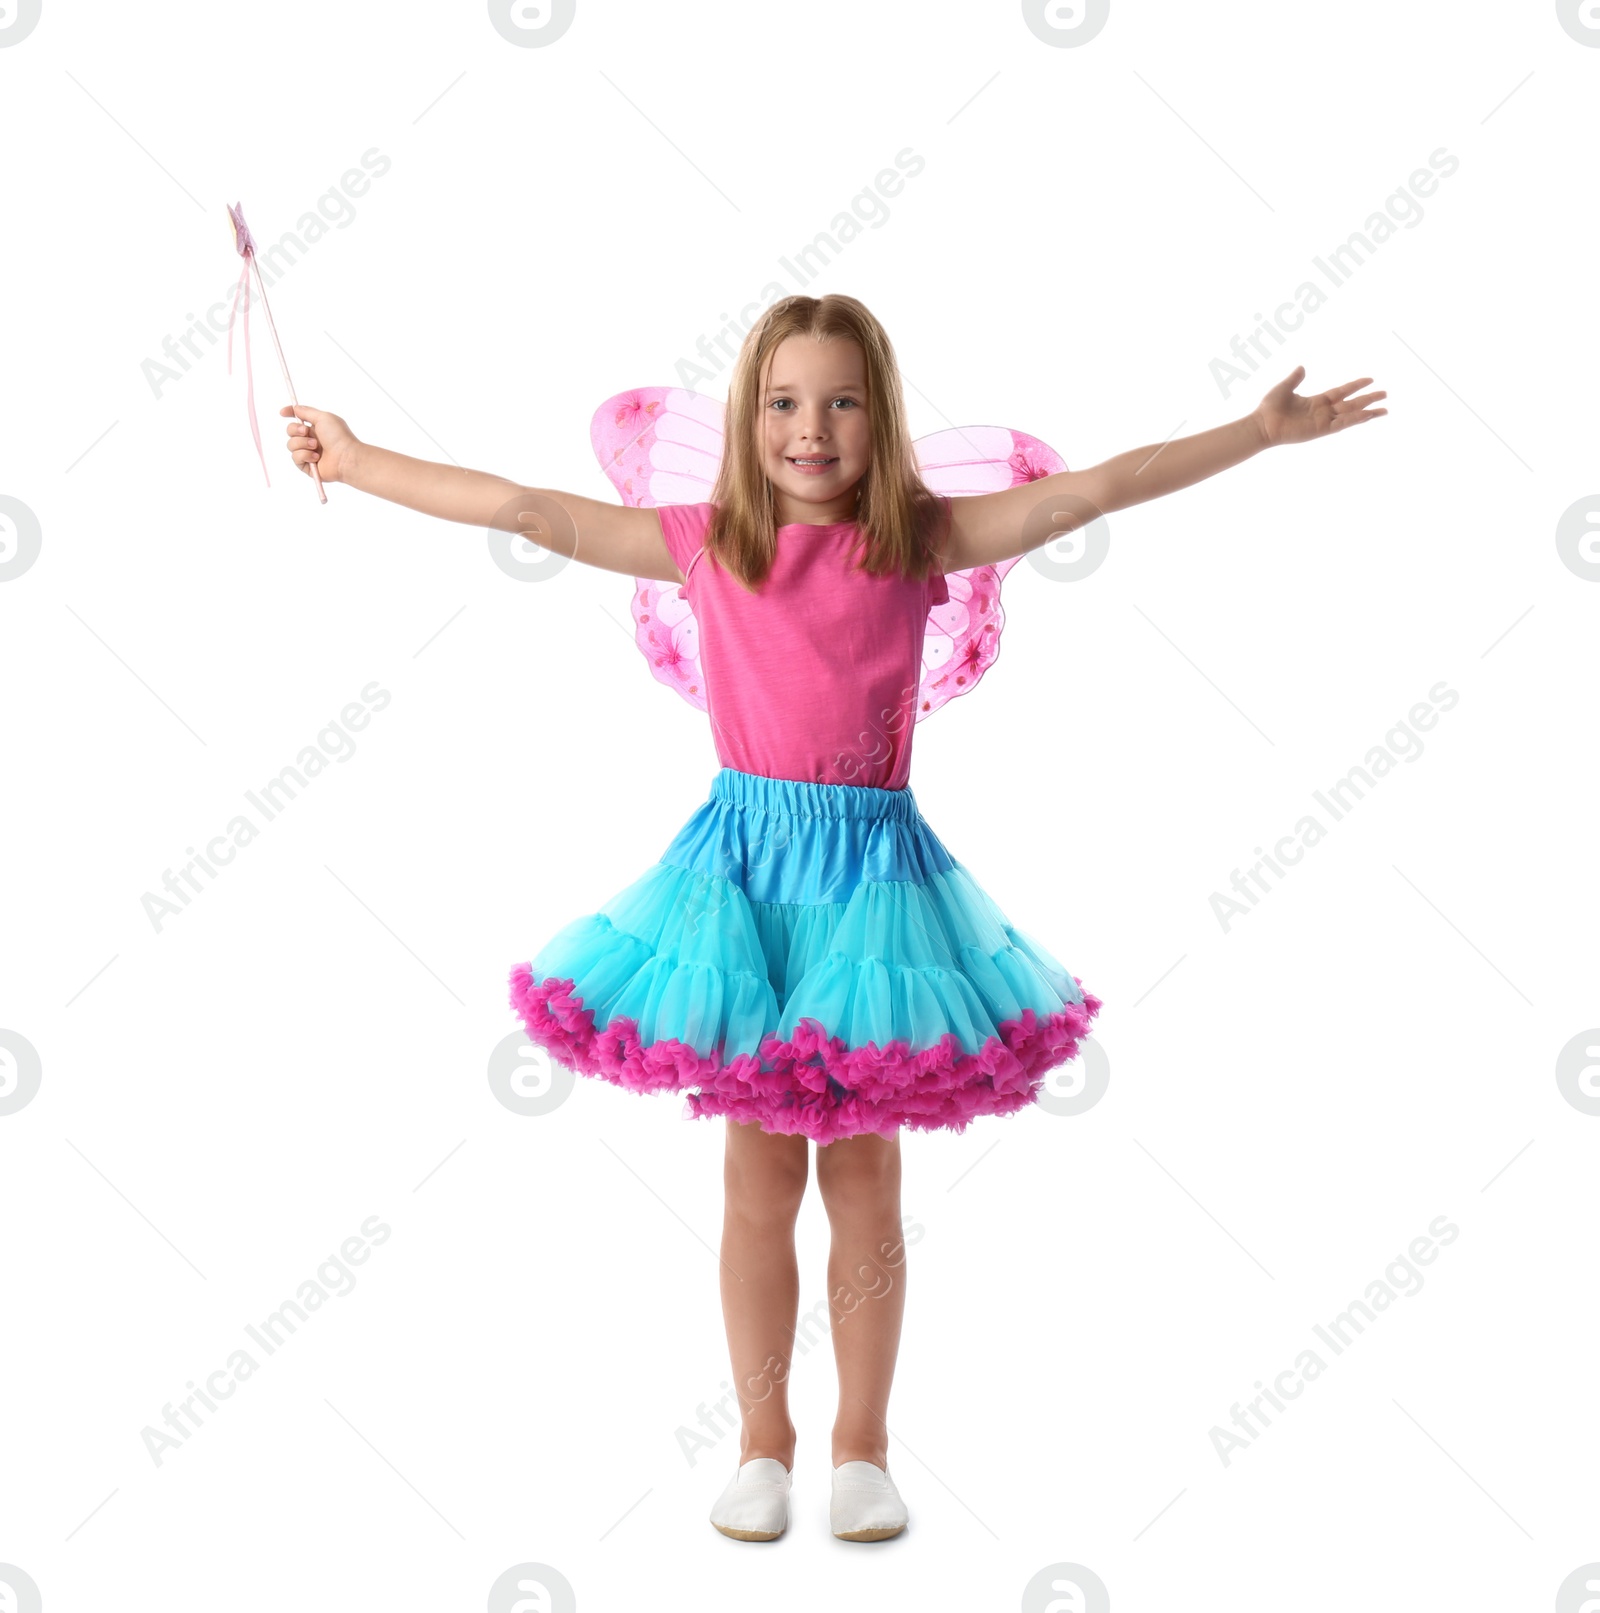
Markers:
(662, 445)
(963, 636)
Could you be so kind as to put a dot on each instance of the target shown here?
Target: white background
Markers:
(1292, 1100)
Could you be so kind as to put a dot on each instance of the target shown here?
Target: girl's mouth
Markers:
(814, 465)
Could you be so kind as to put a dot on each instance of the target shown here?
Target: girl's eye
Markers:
(851, 401)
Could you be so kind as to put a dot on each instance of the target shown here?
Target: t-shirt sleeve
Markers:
(684, 528)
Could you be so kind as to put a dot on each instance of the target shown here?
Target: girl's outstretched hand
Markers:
(1283, 416)
(326, 439)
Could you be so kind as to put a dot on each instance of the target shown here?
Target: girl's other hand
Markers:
(324, 439)
(1283, 416)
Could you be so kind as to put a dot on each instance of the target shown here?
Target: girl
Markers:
(807, 960)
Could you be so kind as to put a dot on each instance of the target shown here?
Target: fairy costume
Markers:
(806, 953)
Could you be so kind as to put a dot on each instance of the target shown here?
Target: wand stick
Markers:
(245, 243)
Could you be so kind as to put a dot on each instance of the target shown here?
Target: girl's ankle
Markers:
(752, 1447)
(860, 1450)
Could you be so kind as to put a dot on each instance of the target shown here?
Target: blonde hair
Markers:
(896, 511)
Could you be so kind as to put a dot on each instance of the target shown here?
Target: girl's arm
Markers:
(992, 527)
(614, 537)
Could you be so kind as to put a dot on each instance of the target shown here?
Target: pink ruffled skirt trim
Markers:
(809, 1084)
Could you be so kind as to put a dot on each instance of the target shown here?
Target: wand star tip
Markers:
(242, 238)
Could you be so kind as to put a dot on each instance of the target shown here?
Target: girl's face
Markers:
(815, 407)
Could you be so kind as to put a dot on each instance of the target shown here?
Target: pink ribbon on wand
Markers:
(246, 246)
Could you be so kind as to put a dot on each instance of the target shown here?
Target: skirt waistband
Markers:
(799, 799)
(790, 841)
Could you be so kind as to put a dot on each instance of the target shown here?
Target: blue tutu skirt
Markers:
(809, 958)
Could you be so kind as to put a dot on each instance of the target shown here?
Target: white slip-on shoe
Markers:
(755, 1504)
(865, 1505)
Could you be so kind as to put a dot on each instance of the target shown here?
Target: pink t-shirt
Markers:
(814, 675)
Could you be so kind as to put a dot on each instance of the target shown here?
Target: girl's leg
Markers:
(764, 1180)
(859, 1178)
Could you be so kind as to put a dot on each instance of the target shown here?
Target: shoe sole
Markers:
(869, 1534)
(747, 1534)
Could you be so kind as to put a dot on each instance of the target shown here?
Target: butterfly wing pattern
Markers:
(663, 445)
(963, 636)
